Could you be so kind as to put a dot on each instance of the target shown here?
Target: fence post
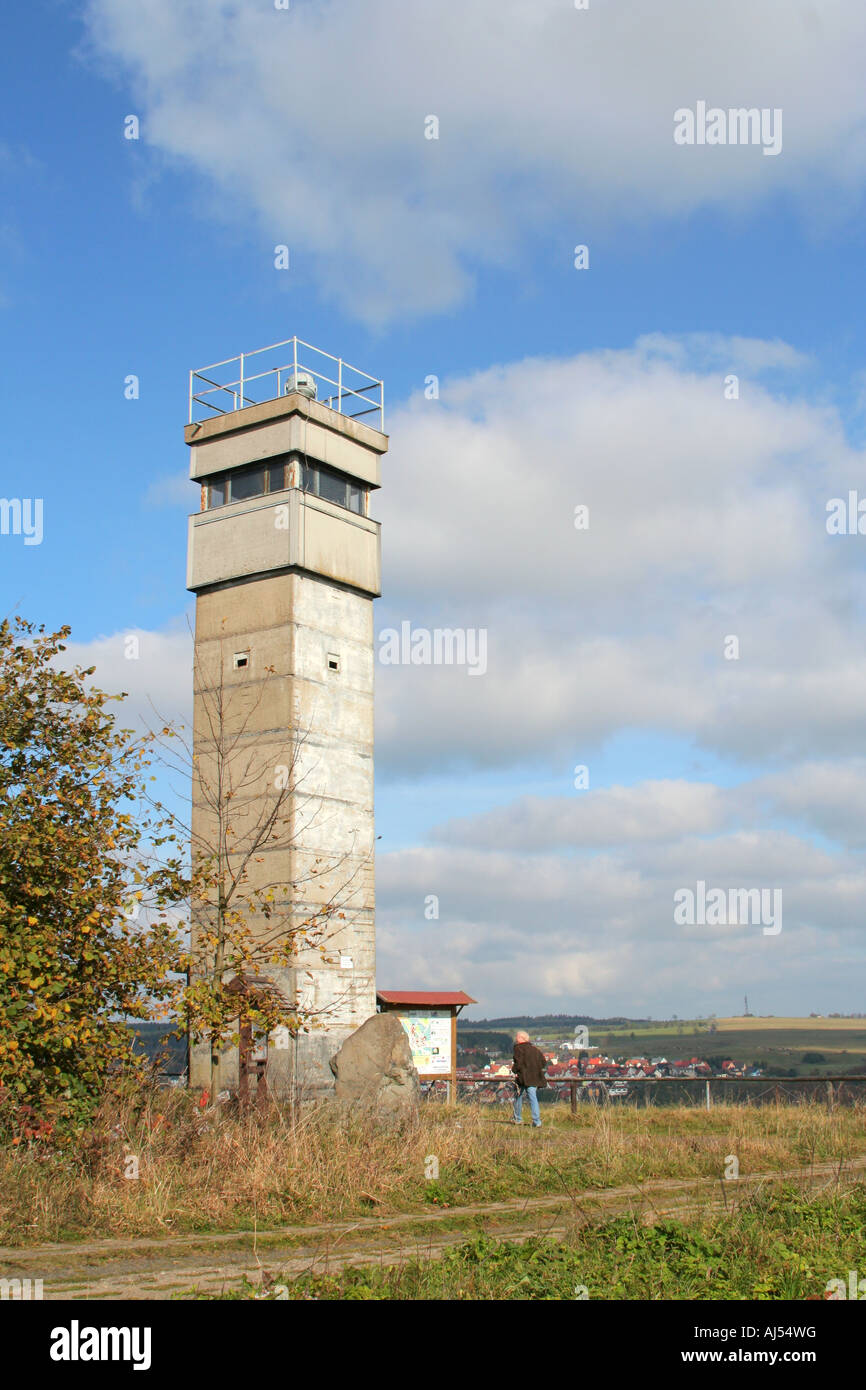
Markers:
(709, 1100)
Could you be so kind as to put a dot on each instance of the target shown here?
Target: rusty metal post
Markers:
(245, 1045)
(452, 1085)
(262, 1096)
(572, 1086)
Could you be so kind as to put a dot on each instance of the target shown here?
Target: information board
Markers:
(430, 1040)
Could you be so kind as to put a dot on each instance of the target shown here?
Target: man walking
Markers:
(528, 1067)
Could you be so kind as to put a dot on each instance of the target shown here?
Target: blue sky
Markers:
(455, 257)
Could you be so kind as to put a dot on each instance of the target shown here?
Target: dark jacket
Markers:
(528, 1064)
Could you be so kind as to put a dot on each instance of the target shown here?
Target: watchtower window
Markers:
(277, 475)
(333, 486)
(218, 491)
(261, 479)
(240, 484)
(249, 482)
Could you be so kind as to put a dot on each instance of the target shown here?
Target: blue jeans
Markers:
(532, 1092)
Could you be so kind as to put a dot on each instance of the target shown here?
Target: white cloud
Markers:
(706, 520)
(523, 929)
(681, 483)
(154, 669)
(313, 119)
(653, 811)
(826, 797)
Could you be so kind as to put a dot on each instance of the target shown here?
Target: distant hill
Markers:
(485, 1039)
(151, 1039)
(540, 1022)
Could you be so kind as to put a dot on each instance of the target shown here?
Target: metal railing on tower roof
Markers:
(270, 372)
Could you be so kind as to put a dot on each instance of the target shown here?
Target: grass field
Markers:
(207, 1171)
(782, 1245)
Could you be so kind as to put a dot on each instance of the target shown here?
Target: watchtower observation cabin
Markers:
(284, 559)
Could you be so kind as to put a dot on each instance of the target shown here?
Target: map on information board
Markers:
(430, 1041)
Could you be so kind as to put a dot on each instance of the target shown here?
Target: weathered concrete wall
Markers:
(304, 717)
(283, 529)
(280, 426)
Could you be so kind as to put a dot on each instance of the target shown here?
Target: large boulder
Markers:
(374, 1069)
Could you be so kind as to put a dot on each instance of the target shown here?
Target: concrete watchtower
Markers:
(284, 561)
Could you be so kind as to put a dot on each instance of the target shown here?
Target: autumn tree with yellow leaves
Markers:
(88, 876)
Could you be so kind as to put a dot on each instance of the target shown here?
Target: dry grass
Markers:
(209, 1170)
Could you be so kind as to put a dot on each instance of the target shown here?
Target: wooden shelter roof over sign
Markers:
(424, 998)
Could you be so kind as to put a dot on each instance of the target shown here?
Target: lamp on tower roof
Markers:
(303, 383)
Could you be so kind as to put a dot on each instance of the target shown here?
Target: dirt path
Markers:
(163, 1267)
